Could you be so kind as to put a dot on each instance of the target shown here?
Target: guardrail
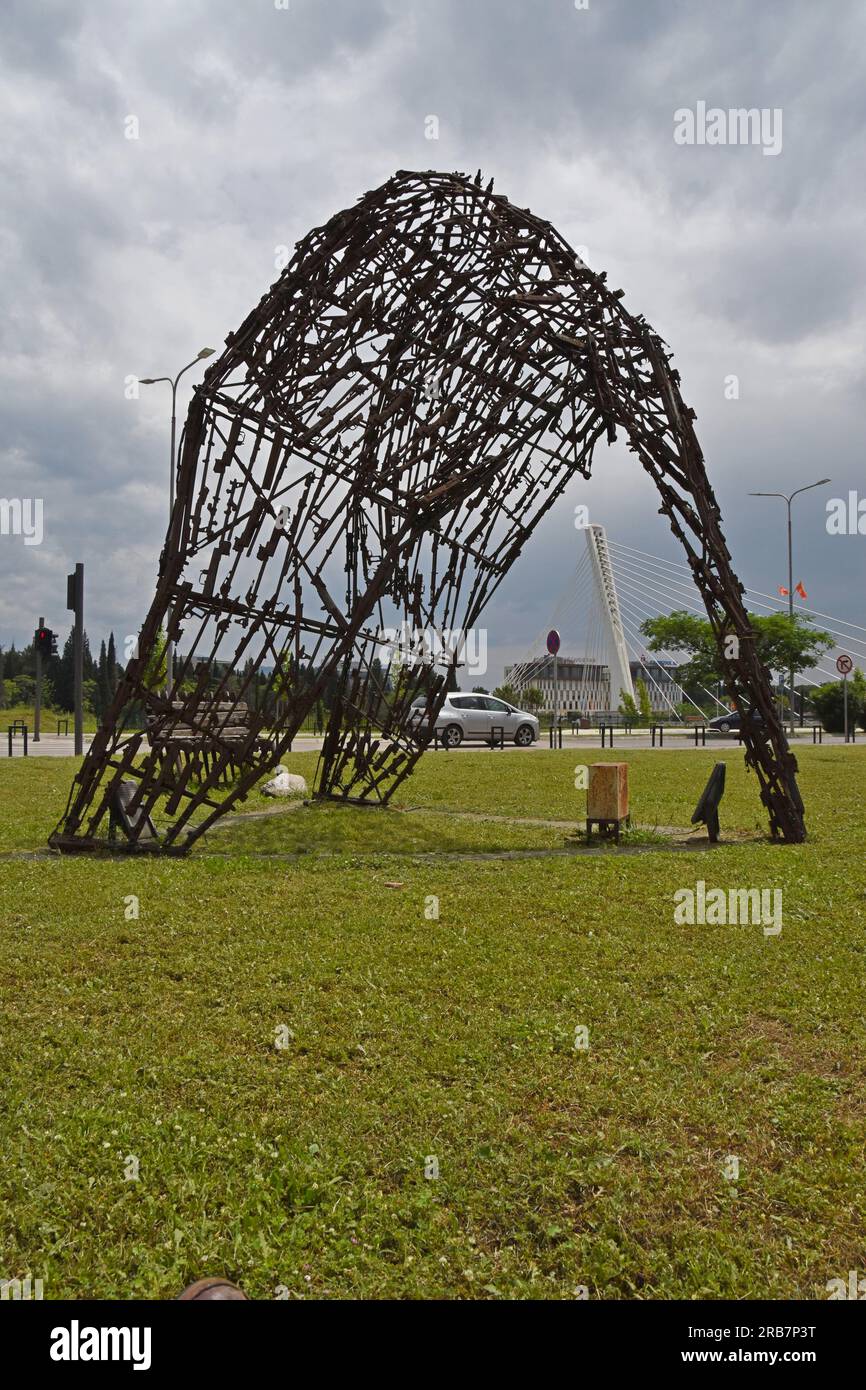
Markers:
(698, 729)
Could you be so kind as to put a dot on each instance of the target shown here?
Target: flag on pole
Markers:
(798, 589)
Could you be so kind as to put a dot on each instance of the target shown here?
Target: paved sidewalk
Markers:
(62, 746)
(49, 745)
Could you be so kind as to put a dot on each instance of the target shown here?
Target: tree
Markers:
(111, 667)
(377, 691)
(25, 688)
(61, 671)
(155, 668)
(63, 676)
(14, 663)
(533, 698)
(780, 644)
(101, 697)
(508, 693)
(480, 690)
(88, 665)
(643, 700)
(829, 703)
(2, 681)
(284, 683)
(627, 705)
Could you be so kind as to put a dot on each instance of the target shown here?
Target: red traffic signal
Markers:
(45, 641)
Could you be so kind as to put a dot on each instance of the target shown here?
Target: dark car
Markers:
(730, 723)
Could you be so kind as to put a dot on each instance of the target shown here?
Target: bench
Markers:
(214, 732)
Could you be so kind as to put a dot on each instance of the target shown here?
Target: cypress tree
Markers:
(64, 676)
(111, 665)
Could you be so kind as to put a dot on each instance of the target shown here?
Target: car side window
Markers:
(464, 701)
(498, 706)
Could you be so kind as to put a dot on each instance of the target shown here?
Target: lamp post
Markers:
(172, 381)
(788, 499)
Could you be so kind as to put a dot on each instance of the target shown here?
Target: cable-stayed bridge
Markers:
(613, 589)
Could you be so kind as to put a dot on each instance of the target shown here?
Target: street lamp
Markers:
(788, 499)
(152, 381)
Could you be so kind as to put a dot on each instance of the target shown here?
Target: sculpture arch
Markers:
(374, 446)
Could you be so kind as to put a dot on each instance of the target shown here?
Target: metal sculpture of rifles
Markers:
(374, 448)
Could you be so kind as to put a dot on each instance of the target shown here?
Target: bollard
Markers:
(18, 726)
(607, 798)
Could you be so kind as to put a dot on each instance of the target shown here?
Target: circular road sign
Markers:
(553, 641)
(844, 664)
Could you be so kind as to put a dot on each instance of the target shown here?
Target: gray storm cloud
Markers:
(122, 257)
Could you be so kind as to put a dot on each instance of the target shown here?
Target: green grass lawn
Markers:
(300, 1170)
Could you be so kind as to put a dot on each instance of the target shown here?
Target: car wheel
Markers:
(724, 728)
(452, 735)
(524, 736)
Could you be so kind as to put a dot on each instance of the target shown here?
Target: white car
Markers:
(475, 716)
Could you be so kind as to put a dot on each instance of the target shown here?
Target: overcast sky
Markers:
(255, 123)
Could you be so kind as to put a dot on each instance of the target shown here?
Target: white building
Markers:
(584, 685)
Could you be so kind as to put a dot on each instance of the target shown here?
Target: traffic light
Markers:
(45, 642)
